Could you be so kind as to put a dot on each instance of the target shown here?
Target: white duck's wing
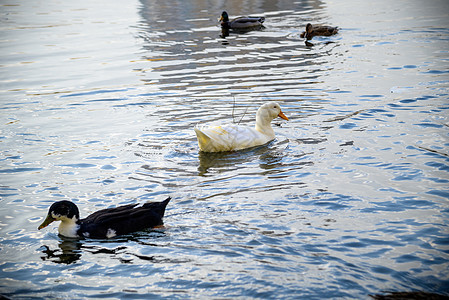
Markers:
(229, 138)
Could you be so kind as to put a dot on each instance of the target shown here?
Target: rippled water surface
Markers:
(98, 102)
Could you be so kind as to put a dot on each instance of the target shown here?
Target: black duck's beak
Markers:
(48, 220)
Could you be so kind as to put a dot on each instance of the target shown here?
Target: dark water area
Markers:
(98, 102)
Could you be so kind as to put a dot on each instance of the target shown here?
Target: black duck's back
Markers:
(123, 219)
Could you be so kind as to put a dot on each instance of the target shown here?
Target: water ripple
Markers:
(351, 193)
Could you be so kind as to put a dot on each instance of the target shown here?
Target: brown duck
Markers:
(318, 30)
(240, 22)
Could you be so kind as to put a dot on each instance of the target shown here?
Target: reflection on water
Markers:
(68, 252)
(98, 105)
(269, 156)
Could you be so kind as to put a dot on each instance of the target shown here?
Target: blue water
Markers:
(98, 102)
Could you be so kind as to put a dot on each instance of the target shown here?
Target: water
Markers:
(98, 101)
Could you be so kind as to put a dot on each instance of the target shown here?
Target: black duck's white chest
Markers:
(69, 227)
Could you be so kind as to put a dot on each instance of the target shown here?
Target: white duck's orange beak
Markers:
(281, 115)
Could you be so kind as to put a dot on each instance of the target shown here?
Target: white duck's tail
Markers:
(203, 139)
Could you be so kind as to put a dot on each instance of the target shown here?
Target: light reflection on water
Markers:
(98, 103)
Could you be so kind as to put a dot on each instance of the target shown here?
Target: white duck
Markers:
(236, 137)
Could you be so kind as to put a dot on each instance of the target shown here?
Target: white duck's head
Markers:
(270, 111)
(267, 113)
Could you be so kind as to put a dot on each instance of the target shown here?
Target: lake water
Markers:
(98, 102)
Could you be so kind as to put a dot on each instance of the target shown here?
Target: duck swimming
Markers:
(318, 30)
(236, 137)
(105, 223)
(241, 23)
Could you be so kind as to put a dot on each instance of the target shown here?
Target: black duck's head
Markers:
(224, 17)
(61, 211)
